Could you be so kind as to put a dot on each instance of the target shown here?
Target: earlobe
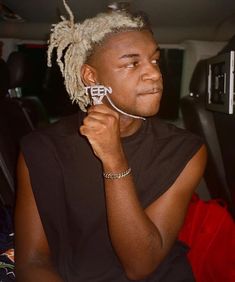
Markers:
(88, 75)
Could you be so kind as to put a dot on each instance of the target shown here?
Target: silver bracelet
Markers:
(111, 175)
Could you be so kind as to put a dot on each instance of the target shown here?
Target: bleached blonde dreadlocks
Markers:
(75, 41)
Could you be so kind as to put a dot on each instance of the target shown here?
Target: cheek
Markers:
(123, 91)
(124, 82)
(122, 86)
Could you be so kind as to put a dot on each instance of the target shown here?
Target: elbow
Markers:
(135, 277)
(138, 274)
(145, 264)
(142, 269)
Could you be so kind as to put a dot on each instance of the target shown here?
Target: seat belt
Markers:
(7, 173)
(25, 113)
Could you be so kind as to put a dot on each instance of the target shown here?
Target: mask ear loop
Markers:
(97, 93)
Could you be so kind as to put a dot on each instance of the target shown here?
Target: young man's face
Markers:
(129, 63)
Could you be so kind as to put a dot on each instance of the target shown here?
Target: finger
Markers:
(84, 130)
(99, 116)
(94, 119)
(94, 125)
(102, 108)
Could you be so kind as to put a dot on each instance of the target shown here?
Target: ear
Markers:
(88, 75)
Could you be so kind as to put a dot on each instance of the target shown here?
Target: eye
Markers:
(156, 62)
(132, 65)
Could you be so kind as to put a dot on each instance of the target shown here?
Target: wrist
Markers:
(115, 164)
(115, 161)
(117, 175)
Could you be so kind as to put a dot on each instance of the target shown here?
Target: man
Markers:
(102, 195)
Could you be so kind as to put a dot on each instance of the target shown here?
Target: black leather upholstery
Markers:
(217, 129)
(198, 84)
(13, 125)
(19, 69)
(4, 78)
(20, 73)
(15, 121)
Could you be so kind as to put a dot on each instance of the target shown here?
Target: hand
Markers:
(101, 127)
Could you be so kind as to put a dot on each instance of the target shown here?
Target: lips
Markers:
(150, 91)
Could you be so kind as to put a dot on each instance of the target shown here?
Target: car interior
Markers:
(197, 43)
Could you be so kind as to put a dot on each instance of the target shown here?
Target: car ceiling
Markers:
(205, 16)
(161, 12)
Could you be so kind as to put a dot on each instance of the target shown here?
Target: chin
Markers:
(151, 111)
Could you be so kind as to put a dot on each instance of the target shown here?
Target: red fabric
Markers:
(209, 231)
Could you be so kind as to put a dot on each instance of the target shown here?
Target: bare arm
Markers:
(141, 238)
(32, 253)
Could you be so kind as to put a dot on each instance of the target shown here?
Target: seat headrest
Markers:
(198, 82)
(4, 78)
(19, 69)
(229, 46)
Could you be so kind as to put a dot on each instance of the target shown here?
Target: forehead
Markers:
(128, 41)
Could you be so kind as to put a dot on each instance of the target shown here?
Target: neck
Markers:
(129, 123)
(129, 126)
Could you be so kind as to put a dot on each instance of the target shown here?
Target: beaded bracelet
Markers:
(111, 175)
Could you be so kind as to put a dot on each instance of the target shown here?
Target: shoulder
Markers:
(46, 141)
(66, 126)
(164, 129)
(168, 133)
(176, 146)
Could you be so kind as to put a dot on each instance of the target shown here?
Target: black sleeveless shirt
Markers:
(67, 183)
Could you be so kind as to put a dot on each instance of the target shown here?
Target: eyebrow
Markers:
(136, 55)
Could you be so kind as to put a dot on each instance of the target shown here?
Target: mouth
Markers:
(151, 91)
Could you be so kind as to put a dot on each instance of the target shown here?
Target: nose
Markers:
(151, 72)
